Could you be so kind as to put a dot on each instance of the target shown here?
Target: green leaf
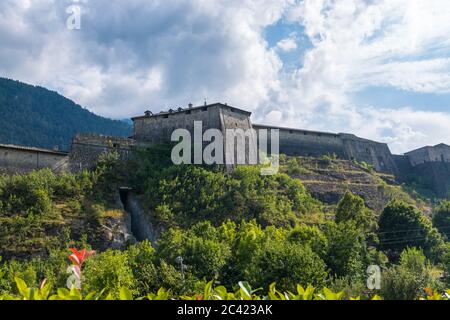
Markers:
(125, 294)
(208, 290)
(246, 290)
(63, 293)
(22, 287)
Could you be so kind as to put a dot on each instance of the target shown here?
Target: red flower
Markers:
(78, 257)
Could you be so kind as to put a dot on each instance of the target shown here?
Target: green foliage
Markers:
(311, 236)
(289, 263)
(38, 117)
(109, 270)
(241, 229)
(201, 247)
(408, 280)
(189, 194)
(35, 207)
(441, 218)
(347, 252)
(403, 226)
(209, 292)
(352, 208)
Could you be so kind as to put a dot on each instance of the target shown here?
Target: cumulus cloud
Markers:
(358, 44)
(143, 54)
(136, 55)
(287, 44)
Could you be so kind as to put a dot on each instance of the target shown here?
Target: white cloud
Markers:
(358, 44)
(287, 44)
(134, 55)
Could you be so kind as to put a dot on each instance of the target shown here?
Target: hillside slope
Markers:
(328, 180)
(34, 116)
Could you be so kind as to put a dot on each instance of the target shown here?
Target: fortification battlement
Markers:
(102, 140)
(157, 128)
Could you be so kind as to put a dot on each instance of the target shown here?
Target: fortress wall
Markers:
(403, 164)
(439, 153)
(295, 142)
(158, 128)
(435, 176)
(15, 159)
(371, 152)
(232, 119)
(87, 148)
(419, 156)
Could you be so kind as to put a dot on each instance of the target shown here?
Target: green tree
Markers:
(441, 218)
(289, 264)
(311, 236)
(407, 280)
(352, 208)
(109, 270)
(402, 225)
(347, 252)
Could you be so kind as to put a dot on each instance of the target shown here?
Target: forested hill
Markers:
(34, 116)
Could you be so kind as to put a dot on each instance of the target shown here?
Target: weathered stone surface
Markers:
(87, 148)
(19, 159)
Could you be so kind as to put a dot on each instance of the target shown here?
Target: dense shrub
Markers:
(402, 226)
(441, 218)
(408, 280)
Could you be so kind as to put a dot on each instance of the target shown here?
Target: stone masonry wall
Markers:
(371, 152)
(438, 153)
(87, 148)
(17, 159)
(294, 142)
(158, 128)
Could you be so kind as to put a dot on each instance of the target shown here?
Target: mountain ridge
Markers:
(35, 116)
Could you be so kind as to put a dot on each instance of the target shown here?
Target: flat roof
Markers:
(24, 148)
(165, 113)
(428, 147)
(295, 129)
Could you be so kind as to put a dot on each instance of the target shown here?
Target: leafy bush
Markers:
(408, 280)
(403, 226)
(441, 218)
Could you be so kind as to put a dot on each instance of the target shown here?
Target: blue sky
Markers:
(379, 68)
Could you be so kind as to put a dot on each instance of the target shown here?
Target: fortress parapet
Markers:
(87, 148)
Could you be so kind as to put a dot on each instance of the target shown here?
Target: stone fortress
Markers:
(431, 163)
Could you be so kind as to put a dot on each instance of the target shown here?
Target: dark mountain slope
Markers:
(34, 116)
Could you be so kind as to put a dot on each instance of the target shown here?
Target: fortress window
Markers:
(290, 131)
(305, 133)
(204, 109)
(188, 112)
(166, 116)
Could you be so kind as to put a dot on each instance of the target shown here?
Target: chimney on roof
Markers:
(148, 113)
(191, 105)
(180, 109)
